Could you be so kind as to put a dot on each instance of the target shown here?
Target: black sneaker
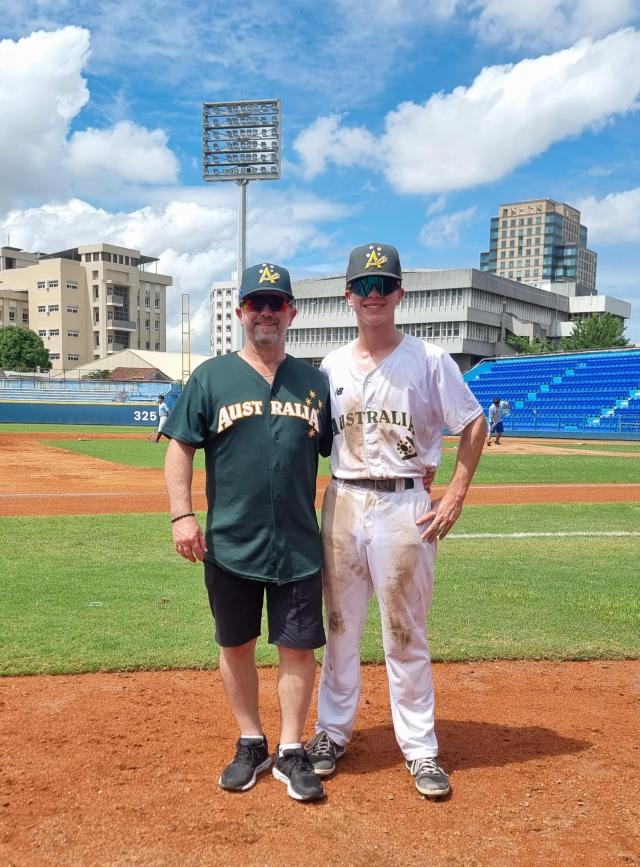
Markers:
(431, 780)
(251, 758)
(294, 768)
(323, 754)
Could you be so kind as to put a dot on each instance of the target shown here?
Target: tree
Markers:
(600, 331)
(22, 349)
(97, 374)
(525, 346)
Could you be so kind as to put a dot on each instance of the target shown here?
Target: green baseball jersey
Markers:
(261, 445)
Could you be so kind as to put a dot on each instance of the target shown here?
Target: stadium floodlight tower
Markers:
(241, 143)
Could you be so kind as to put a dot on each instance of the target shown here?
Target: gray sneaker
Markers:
(431, 779)
(323, 754)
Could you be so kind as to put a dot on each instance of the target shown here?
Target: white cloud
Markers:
(552, 23)
(477, 134)
(613, 219)
(138, 155)
(326, 141)
(43, 92)
(445, 229)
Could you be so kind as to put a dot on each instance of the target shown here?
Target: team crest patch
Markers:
(267, 275)
(376, 258)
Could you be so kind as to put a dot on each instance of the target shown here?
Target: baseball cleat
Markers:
(251, 758)
(294, 768)
(431, 779)
(323, 754)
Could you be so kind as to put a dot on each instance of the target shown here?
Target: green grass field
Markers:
(91, 593)
(108, 592)
(600, 447)
(495, 467)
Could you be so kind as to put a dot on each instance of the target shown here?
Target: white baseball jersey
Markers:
(389, 423)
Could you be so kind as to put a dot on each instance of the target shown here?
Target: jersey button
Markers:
(276, 436)
(276, 467)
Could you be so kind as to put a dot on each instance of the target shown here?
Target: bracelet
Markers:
(186, 515)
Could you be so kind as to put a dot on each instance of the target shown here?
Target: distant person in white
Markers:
(163, 416)
(496, 425)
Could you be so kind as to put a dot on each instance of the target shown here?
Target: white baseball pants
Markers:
(372, 545)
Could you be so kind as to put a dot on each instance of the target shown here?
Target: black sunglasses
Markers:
(257, 303)
(364, 286)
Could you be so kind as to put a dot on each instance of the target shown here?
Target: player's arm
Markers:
(188, 537)
(446, 511)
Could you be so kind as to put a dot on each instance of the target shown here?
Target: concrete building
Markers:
(225, 328)
(467, 312)
(167, 364)
(14, 308)
(88, 302)
(540, 242)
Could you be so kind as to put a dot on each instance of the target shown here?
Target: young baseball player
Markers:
(496, 425)
(262, 417)
(391, 396)
(163, 418)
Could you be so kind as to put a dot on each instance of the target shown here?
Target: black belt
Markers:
(380, 484)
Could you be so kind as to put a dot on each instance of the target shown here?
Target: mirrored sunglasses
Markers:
(364, 286)
(257, 303)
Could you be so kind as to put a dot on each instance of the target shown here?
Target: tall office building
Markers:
(542, 243)
(86, 302)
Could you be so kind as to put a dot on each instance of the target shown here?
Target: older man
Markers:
(262, 417)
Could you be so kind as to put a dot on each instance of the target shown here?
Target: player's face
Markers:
(266, 318)
(376, 308)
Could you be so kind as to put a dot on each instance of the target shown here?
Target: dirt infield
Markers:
(37, 479)
(121, 769)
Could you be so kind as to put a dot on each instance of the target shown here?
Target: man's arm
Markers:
(178, 474)
(446, 511)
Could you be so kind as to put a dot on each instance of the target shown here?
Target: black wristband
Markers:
(186, 515)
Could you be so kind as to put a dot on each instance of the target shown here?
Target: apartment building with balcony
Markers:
(90, 301)
(225, 329)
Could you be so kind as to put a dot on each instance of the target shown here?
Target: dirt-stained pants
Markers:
(372, 545)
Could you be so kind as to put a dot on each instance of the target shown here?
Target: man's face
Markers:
(379, 305)
(266, 317)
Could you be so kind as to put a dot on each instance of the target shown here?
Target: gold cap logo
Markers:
(267, 275)
(375, 260)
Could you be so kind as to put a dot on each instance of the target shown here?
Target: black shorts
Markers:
(294, 609)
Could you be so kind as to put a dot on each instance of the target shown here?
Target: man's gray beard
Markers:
(264, 338)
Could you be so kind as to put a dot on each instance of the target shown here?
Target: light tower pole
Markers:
(241, 143)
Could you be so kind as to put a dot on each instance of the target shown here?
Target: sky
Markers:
(403, 121)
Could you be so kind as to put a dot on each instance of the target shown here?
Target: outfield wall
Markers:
(53, 412)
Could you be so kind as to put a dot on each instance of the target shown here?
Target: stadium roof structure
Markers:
(169, 364)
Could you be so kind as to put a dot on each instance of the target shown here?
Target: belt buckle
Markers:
(384, 484)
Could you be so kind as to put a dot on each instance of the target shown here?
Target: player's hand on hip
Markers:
(429, 476)
(189, 539)
(443, 515)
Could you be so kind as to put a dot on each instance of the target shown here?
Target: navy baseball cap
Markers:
(376, 259)
(265, 278)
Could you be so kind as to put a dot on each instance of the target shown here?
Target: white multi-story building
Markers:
(86, 302)
(467, 312)
(225, 327)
